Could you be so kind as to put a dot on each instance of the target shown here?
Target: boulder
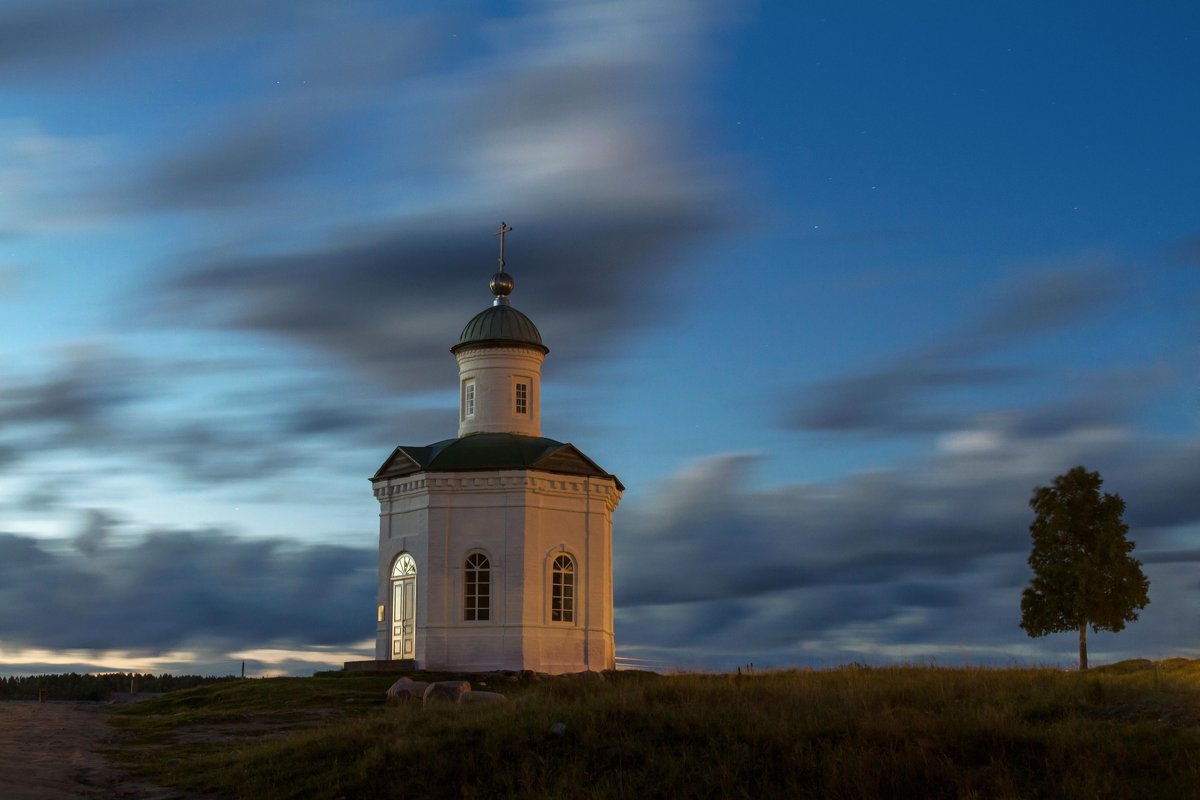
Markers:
(446, 691)
(558, 729)
(396, 687)
(406, 690)
(479, 698)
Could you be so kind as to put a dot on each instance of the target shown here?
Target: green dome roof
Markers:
(500, 325)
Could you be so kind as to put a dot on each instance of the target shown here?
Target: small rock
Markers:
(446, 691)
(558, 729)
(479, 698)
(406, 691)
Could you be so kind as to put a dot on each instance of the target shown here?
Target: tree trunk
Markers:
(1083, 647)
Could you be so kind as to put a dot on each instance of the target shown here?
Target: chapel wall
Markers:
(475, 512)
(571, 516)
(521, 520)
(403, 528)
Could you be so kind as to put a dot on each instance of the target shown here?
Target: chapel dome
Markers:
(500, 325)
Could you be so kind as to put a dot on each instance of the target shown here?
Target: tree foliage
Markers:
(73, 686)
(1083, 573)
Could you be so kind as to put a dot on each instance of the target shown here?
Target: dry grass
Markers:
(1126, 731)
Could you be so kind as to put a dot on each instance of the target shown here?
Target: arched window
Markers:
(562, 589)
(477, 588)
(405, 565)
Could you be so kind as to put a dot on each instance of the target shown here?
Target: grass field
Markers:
(1128, 730)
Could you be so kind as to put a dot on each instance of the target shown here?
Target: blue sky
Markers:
(830, 286)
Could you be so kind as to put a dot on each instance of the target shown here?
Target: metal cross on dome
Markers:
(503, 230)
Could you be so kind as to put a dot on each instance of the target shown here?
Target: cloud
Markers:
(897, 399)
(924, 560)
(940, 387)
(344, 113)
(44, 41)
(1185, 252)
(932, 396)
(350, 188)
(310, 79)
(166, 589)
(44, 175)
(78, 398)
(1166, 476)
(275, 148)
(1189, 555)
(40, 36)
(40, 499)
(1045, 303)
(739, 543)
(228, 169)
(573, 123)
(97, 401)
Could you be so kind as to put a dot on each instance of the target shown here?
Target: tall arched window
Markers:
(562, 589)
(477, 588)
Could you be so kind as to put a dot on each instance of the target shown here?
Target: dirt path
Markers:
(51, 751)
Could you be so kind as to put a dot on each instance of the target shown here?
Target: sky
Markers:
(830, 286)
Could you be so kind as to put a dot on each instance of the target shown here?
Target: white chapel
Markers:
(495, 547)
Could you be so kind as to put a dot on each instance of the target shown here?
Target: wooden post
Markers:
(41, 695)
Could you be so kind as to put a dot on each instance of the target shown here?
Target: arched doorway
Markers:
(404, 607)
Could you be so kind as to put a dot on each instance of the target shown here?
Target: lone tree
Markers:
(1082, 571)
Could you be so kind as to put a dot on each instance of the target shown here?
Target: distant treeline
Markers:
(73, 686)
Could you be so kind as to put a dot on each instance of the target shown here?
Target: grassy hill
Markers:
(1128, 730)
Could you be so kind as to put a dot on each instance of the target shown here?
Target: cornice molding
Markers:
(484, 353)
(533, 481)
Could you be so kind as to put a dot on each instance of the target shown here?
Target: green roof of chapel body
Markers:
(492, 451)
(500, 325)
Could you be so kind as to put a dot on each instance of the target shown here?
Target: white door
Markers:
(404, 607)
